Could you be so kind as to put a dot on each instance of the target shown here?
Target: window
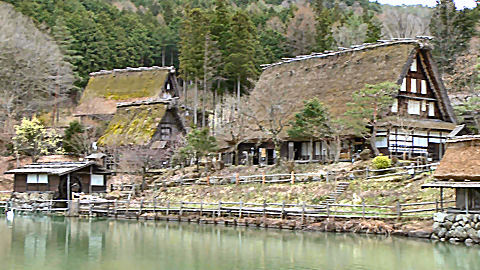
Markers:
(165, 133)
(168, 86)
(414, 107)
(395, 106)
(424, 106)
(423, 88)
(404, 85)
(431, 109)
(43, 179)
(96, 180)
(37, 179)
(413, 67)
(413, 86)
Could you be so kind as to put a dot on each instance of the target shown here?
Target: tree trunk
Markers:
(277, 148)
(203, 99)
(238, 91)
(163, 56)
(338, 148)
(185, 90)
(144, 172)
(312, 151)
(195, 103)
(373, 140)
(237, 156)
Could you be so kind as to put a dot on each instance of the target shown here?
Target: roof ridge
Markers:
(419, 40)
(131, 69)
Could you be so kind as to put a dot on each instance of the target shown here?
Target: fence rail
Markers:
(154, 208)
(285, 178)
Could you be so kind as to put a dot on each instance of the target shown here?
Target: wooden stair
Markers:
(339, 189)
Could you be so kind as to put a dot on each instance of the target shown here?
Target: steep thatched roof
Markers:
(134, 124)
(333, 77)
(461, 160)
(106, 88)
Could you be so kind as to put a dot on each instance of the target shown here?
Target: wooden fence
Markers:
(156, 209)
(286, 178)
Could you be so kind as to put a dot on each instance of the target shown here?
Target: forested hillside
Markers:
(219, 45)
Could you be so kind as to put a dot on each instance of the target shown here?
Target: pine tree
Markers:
(240, 61)
(311, 123)
(452, 29)
(324, 21)
(374, 30)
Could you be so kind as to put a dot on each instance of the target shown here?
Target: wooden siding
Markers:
(416, 78)
(82, 177)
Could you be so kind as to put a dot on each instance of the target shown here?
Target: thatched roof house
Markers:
(107, 88)
(461, 160)
(145, 123)
(333, 77)
(459, 169)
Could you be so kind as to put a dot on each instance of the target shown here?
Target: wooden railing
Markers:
(285, 178)
(154, 209)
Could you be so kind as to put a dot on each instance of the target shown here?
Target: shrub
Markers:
(381, 162)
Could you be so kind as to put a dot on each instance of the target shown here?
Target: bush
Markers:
(381, 162)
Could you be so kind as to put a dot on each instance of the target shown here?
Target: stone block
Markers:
(450, 217)
(439, 217)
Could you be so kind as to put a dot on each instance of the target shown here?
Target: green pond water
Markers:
(36, 242)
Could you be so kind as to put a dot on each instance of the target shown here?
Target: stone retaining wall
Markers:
(456, 228)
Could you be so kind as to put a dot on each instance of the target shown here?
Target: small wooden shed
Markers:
(460, 169)
(60, 177)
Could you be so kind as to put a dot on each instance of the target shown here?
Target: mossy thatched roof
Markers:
(333, 77)
(106, 88)
(461, 160)
(134, 125)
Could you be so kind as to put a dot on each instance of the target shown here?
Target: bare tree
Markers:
(270, 110)
(31, 68)
(234, 130)
(405, 21)
(301, 30)
(140, 159)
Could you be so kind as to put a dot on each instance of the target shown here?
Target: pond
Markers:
(38, 242)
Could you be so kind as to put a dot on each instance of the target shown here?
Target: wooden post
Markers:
(240, 211)
(441, 198)
(303, 213)
(282, 214)
(363, 208)
(208, 180)
(263, 178)
(399, 210)
(328, 209)
(155, 208)
(436, 205)
(327, 176)
(181, 208)
(68, 191)
(237, 179)
(264, 209)
(366, 173)
(168, 208)
(141, 208)
(115, 205)
(292, 177)
(466, 201)
(49, 206)
(90, 208)
(201, 208)
(219, 209)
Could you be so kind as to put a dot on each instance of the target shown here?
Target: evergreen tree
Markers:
(311, 123)
(324, 21)
(370, 107)
(374, 30)
(242, 45)
(452, 29)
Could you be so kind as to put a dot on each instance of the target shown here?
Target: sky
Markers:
(460, 4)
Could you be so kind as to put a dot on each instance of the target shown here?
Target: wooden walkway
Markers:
(237, 210)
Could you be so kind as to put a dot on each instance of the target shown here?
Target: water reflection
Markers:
(36, 242)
